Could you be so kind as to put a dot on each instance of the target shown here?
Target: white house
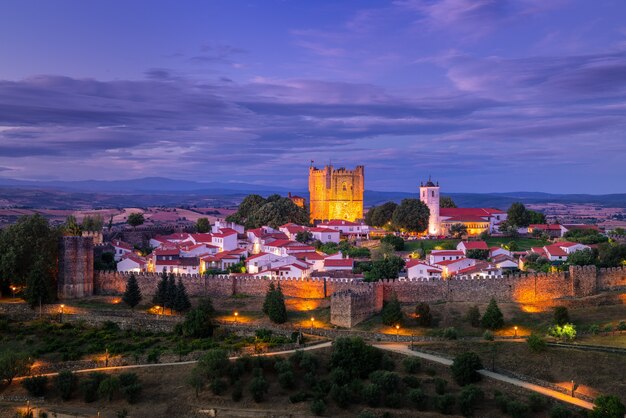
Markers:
(450, 267)
(496, 251)
(291, 230)
(225, 239)
(223, 224)
(315, 259)
(198, 250)
(471, 245)
(331, 264)
(347, 228)
(121, 249)
(132, 263)
(504, 261)
(419, 269)
(481, 269)
(559, 251)
(263, 261)
(325, 234)
(437, 256)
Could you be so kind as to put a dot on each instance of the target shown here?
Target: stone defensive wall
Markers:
(522, 288)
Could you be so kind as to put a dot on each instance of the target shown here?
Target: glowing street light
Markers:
(312, 322)
(397, 332)
(13, 288)
(236, 315)
(106, 357)
(515, 328)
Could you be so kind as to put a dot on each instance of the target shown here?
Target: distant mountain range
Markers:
(158, 191)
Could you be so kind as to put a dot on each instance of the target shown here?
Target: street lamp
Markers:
(515, 328)
(106, 357)
(236, 315)
(397, 332)
(13, 291)
(312, 321)
(62, 306)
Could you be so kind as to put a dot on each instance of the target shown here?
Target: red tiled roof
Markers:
(446, 252)
(448, 262)
(555, 250)
(309, 255)
(254, 256)
(205, 238)
(167, 263)
(134, 257)
(225, 232)
(339, 262)
(415, 262)
(339, 222)
(462, 212)
(278, 243)
(121, 244)
(324, 230)
(166, 251)
(475, 245)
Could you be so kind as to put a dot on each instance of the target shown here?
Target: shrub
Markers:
(89, 386)
(594, 329)
(372, 394)
(355, 356)
(621, 326)
(258, 388)
(469, 398)
(423, 315)
(395, 241)
(517, 409)
(65, 383)
(566, 332)
(286, 380)
(412, 364)
(607, 406)
(411, 381)
(35, 385)
(536, 343)
(299, 397)
(561, 315)
(388, 381)
(387, 363)
(318, 407)
(109, 387)
(450, 333)
(473, 316)
(130, 387)
(440, 385)
(418, 398)
(492, 318)
(444, 403)
(559, 411)
(340, 395)
(537, 403)
(153, 355)
(488, 336)
(465, 368)
(237, 391)
(196, 380)
(394, 400)
(217, 385)
(214, 362)
(340, 376)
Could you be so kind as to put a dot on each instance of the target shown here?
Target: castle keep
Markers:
(336, 193)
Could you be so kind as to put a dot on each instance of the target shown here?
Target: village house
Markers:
(131, 262)
(419, 269)
(121, 249)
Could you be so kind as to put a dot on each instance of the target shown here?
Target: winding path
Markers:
(403, 349)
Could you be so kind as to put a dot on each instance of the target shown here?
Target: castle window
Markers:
(433, 193)
(344, 186)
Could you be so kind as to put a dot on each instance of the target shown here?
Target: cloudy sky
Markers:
(485, 95)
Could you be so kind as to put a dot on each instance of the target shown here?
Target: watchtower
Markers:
(336, 193)
(75, 278)
(429, 195)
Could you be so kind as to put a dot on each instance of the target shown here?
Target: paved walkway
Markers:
(403, 349)
(181, 363)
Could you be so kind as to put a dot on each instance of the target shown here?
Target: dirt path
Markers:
(403, 349)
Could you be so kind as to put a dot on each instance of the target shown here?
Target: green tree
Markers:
(458, 230)
(392, 312)
(423, 315)
(71, 227)
(255, 211)
(92, 223)
(160, 296)
(465, 368)
(565, 332)
(246, 209)
(478, 254)
(492, 318)
(40, 287)
(13, 364)
(411, 216)
(611, 254)
(535, 217)
(607, 406)
(561, 315)
(536, 343)
(381, 216)
(585, 236)
(198, 321)
(170, 297)
(304, 237)
(214, 363)
(584, 257)
(518, 216)
(135, 219)
(473, 316)
(396, 241)
(258, 388)
(387, 268)
(65, 384)
(469, 399)
(356, 357)
(446, 202)
(181, 300)
(132, 294)
(29, 244)
(275, 305)
(203, 225)
(109, 387)
(35, 385)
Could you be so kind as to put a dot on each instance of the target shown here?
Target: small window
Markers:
(433, 193)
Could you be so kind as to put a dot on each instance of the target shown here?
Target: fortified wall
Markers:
(76, 275)
(353, 301)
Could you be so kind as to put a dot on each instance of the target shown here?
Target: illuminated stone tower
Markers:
(429, 195)
(336, 193)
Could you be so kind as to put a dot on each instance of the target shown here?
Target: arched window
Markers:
(344, 186)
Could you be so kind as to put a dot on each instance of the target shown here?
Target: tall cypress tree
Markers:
(492, 318)
(132, 295)
(170, 297)
(160, 296)
(276, 308)
(268, 298)
(181, 301)
(38, 289)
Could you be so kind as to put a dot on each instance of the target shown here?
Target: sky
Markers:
(484, 95)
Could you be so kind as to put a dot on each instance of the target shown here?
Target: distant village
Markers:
(338, 240)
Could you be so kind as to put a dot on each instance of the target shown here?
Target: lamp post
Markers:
(515, 328)
(13, 291)
(236, 315)
(106, 357)
(397, 332)
(312, 322)
(62, 306)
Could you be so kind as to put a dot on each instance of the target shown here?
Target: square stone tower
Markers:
(75, 278)
(336, 193)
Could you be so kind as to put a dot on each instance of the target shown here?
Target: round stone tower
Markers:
(429, 195)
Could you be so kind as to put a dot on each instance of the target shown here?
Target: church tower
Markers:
(429, 195)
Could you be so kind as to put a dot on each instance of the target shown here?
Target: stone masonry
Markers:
(76, 274)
